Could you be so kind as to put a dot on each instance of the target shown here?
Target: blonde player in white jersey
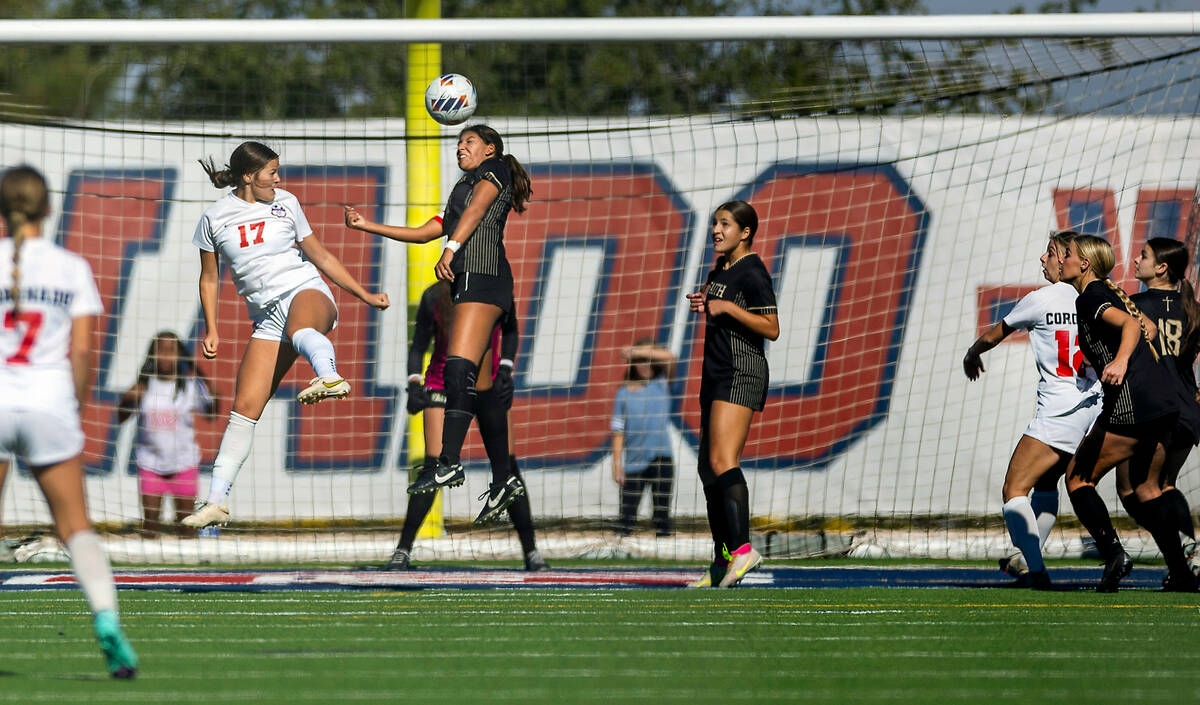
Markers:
(49, 303)
(260, 231)
(1069, 400)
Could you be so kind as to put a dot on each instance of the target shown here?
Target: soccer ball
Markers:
(450, 99)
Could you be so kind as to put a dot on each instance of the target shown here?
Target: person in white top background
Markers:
(1068, 403)
(49, 303)
(260, 231)
(169, 391)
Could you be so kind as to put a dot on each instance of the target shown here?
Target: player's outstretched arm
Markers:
(431, 230)
(209, 278)
(972, 362)
(333, 268)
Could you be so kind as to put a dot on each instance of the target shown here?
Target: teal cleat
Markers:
(122, 660)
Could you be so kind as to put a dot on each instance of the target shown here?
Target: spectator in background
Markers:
(641, 444)
(168, 391)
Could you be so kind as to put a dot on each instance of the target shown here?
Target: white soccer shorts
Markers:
(1064, 432)
(271, 320)
(40, 436)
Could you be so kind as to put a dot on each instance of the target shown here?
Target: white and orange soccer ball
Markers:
(450, 99)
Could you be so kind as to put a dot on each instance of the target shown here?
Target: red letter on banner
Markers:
(631, 215)
(110, 217)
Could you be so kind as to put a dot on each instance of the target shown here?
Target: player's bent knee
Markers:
(460, 376)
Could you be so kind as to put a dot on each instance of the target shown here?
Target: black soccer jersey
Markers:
(1146, 393)
(1165, 308)
(733, 352)
(483, 252)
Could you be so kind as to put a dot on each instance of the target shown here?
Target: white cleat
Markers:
(1191, 551)
(206, 515)
(1015, 566)
(322, 388)
(741, 564)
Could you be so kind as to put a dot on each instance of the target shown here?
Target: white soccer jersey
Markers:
(56, 287)
(166, 441)
(258, 242)
(1049, 316)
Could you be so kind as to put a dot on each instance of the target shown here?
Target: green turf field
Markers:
(564, 646)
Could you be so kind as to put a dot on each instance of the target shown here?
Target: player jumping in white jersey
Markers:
(1068, 403)
(49, 303)
(260, 231)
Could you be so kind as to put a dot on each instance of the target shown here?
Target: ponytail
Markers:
(1133, 311)
(522, 188)
(1191, 338)
(15, 222)
(221, 178)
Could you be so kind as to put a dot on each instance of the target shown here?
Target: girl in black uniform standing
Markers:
(1170, 302)
(474, 262)
(1139, 409)
(738, 300)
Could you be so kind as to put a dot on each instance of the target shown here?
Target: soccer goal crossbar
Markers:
(557, 30)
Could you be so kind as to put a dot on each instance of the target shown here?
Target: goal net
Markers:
(906, 188)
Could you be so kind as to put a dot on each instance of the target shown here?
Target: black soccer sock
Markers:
(1180, 513)
(520, 514)
(459, 374)
(1093, 514)
(1156, 513)
(714, 501)
(492, 419)
(737, 506)
(1133, 507)
(418, 508)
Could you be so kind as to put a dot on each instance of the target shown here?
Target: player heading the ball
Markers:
(481, 283)
(260, 231)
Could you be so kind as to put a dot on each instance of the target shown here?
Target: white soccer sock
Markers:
(1045, 508)
(92, 570)
(235, 448)
(1023, 529)
(317, 349)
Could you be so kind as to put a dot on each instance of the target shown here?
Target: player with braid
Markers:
(1139, 412)
(1067, 406)
(50, 301)
(276, 263)
(474, 262)
(427, 396)
(1170, 302)
(738, 301)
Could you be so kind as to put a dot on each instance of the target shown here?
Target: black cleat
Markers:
(399, 561)
(497, 499)
(440, 476)
(1039, 580)
(534, 563)
(1115, 568)
(1180, 582)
